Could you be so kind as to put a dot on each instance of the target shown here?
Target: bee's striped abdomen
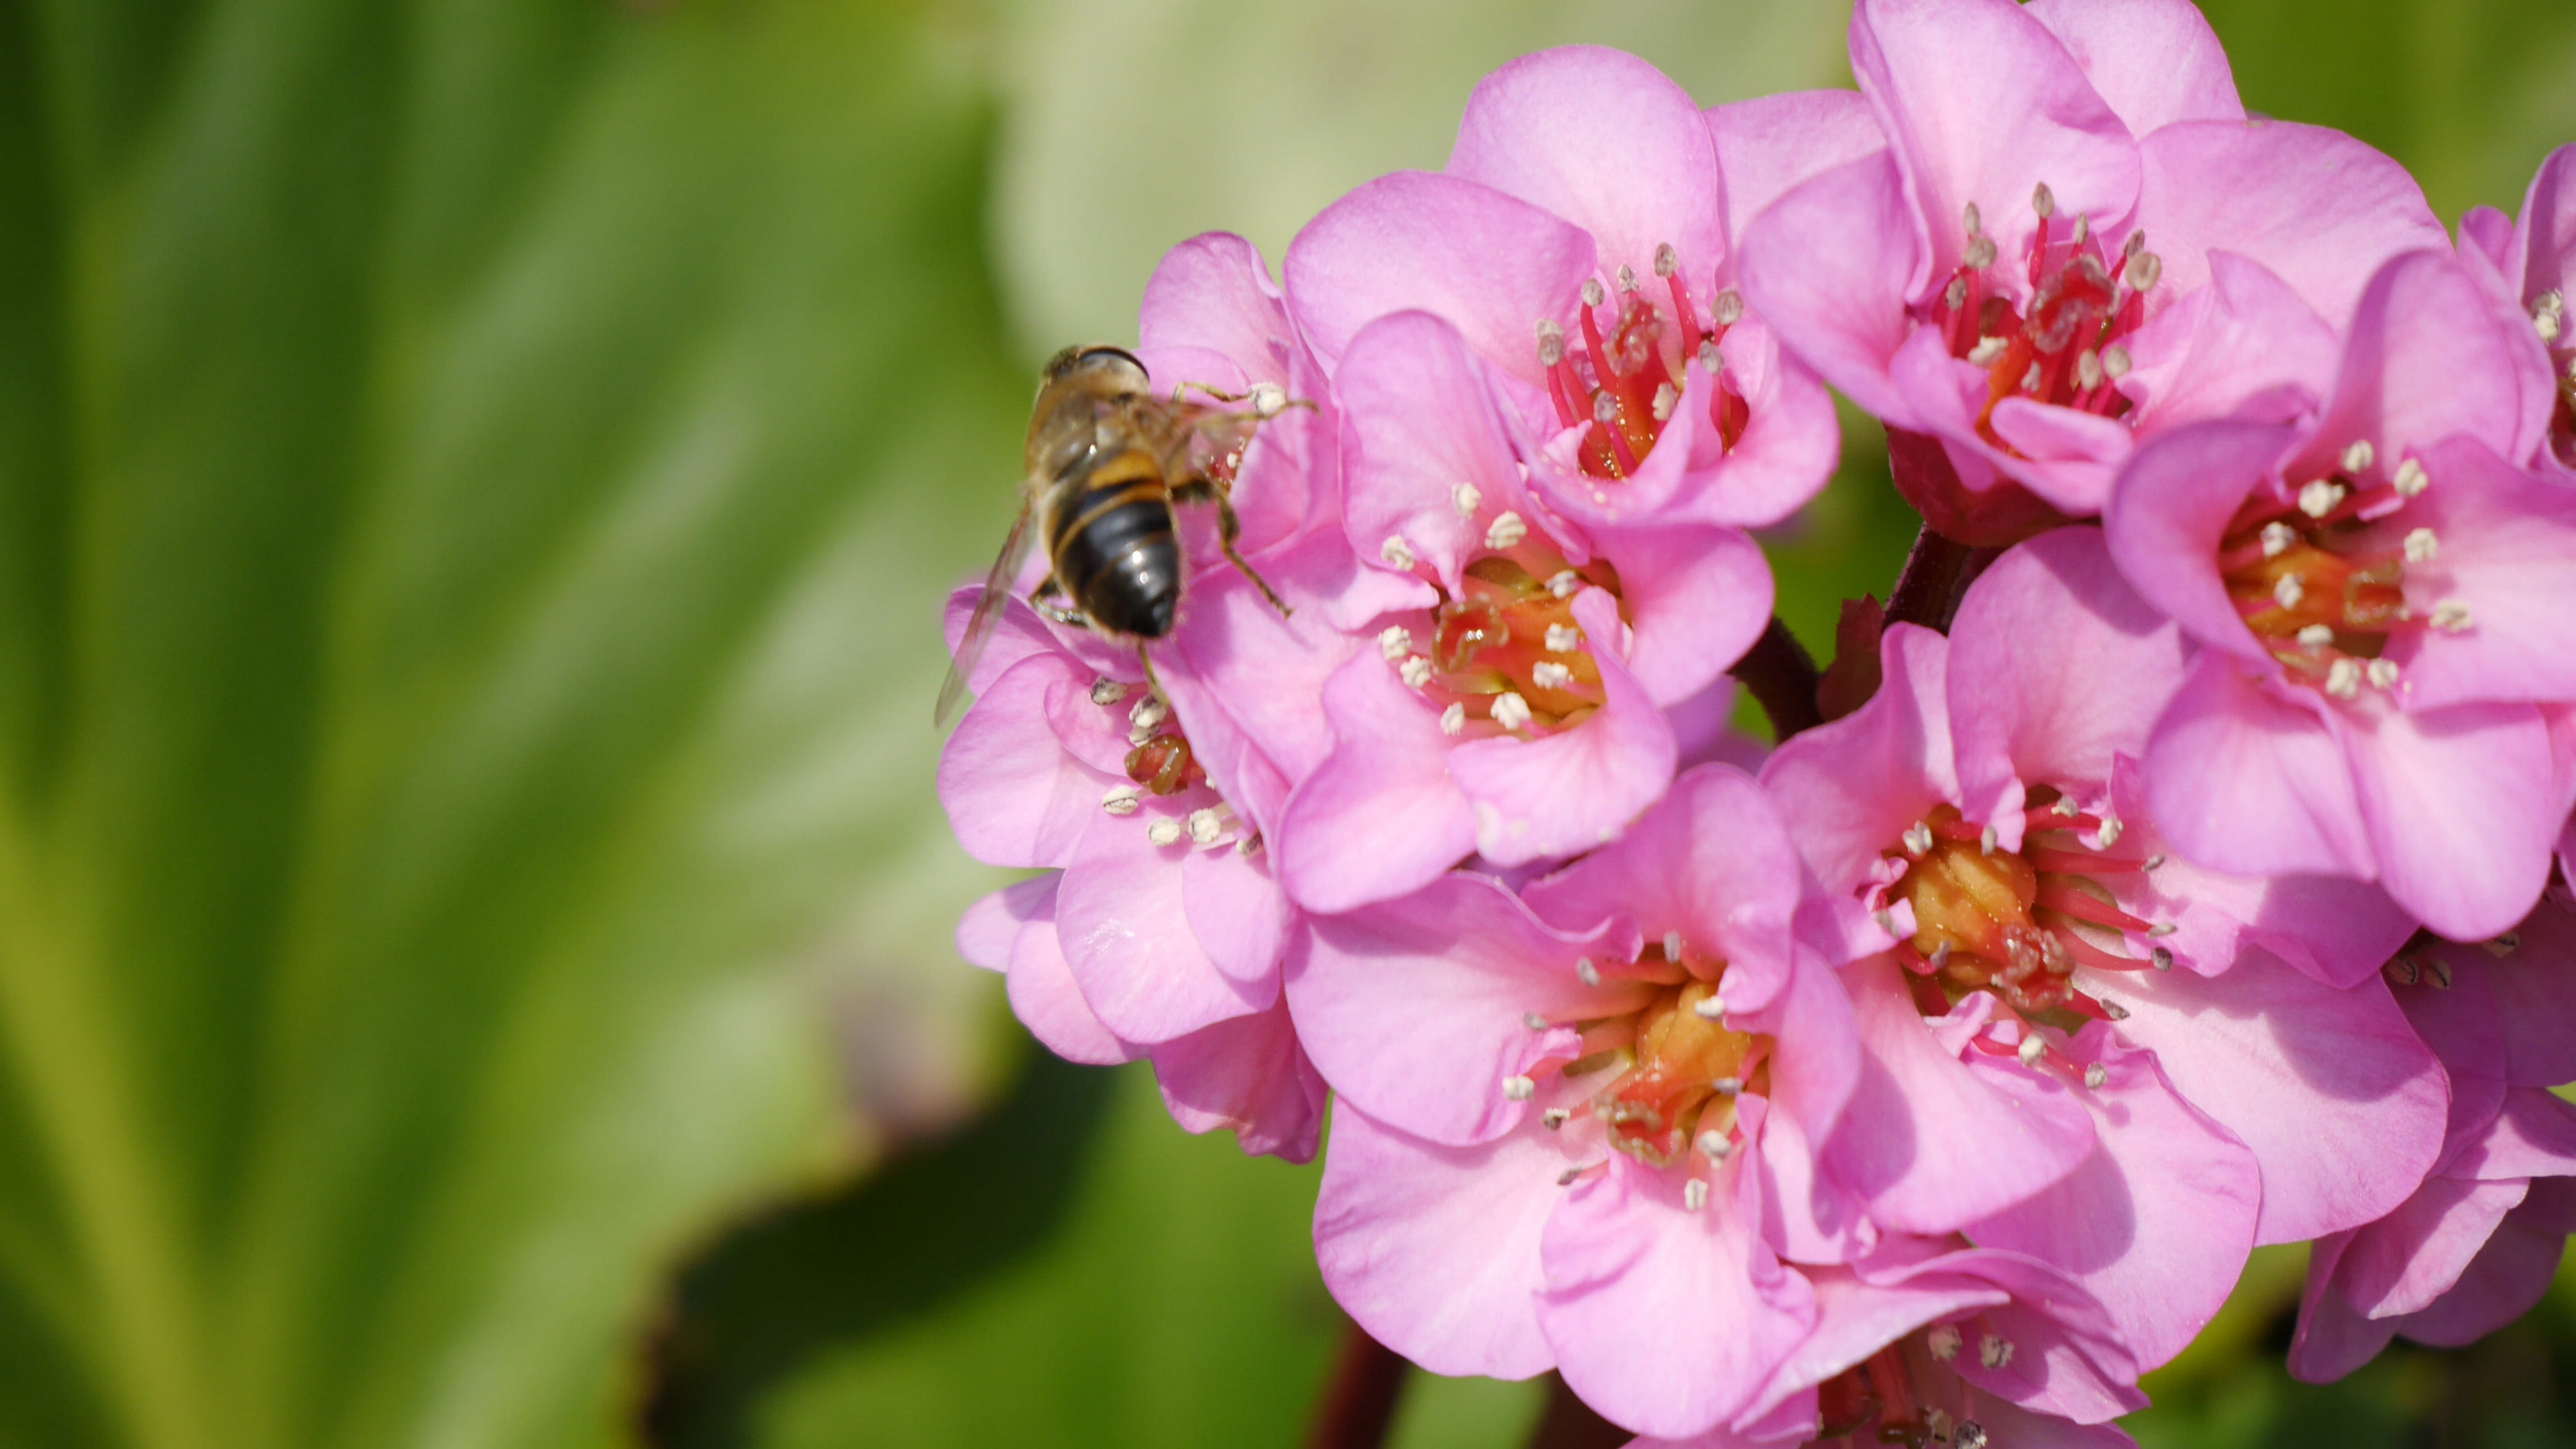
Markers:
(1113, 548)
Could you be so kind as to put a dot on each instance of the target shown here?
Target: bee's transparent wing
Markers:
(988, 612)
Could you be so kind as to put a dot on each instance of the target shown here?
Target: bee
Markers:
(1107, 458)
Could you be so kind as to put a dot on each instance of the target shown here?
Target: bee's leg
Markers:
(1147, 660)
(1268, 399)
(1048, 589)
(1228, 529)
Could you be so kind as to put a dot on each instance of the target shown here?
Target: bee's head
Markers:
(1106, 364)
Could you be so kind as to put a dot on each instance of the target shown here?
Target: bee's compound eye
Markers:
(1114, 362)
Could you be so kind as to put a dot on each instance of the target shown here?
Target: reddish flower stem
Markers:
(1782, 678)
(1937, 573)
(1569, 1423)
(1359, 1399)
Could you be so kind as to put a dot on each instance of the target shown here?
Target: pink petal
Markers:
(1932, 1144)
(990, 928)
(1419, 423)
(2170, 511)
(2462, 813)
(2115, 662)
(1828, 266)
(2534, 994)
(2507, 1279)
(1492, 265)
(1245, 1076)
(1791, 438)
(2154, 62)
(2508, 551)
(1435, 1250)
(2245, 781)
(1043, 994)
(2426, 358)
(1710, 861)
(2405, 1261)
(2249, 334)
(1578, 787)
(2534, 1135)
(1380, 816)
(2068, 1357)
(1664, 1319)
(1698, 598)
(2319, 209)
(2068, 457)
(2028, 117)
(1214, 292)
(1414, 1009)
(1849, 788)
(2333, 1337)
(1607, 142)
(1236, 912)
(1858, 1316)
(1770, 144)
(2543, 254)
(2343, 1108)
(1125, 927)
(1014, 796)
(1810, 1215)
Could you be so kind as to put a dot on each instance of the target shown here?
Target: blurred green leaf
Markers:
(476, 480)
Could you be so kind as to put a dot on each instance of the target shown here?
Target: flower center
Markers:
(1905, 1394)
(2558, 338)
(1504, 655)
(1159, 764)
(2067, 347)
(1632, 366)
(2016, 923)
(1666, 1068)
(2320, 579)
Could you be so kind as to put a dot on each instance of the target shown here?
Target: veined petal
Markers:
(1770, 144)
(2154, 62)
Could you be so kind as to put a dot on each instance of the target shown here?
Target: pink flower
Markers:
(2076, 239)
(1517, 708)
(1985, 806)
(1580, 243)
(2475, 1246)
(2381, 600)
(2532, 265)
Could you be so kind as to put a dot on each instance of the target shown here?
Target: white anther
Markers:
(1980, 253)
(1943, 1341)
(1396, 551)
(1711, 360)
(1627, 277)
(1605, 409)
(2421, 545)
(1586, 972)
(2115, 362)
(2358, 455)
(1553, 1118)
(1715, 1145)
(1249, 844)
(1672, 945)
(1511, 711)
(2317, 636)
(1548, 674)
(2030, 379)
(2032, 1048)
(1107, 691)
(2115, 1011)
(2343, 678)
(1969, 218)
(2153, 862)
(2410, 479)
(1695, 1194)
(2107, 834)
(1727, 1086)
(1466, 499)
(1592, 293)
(1969, 1435)
(1533, 1021)
(2043, 201)
(1994, 1352)
(1395, 641)
(2287, 591)
(2095, 1075)
(1918, 838)
(1567, 1177)
(1518, 1089)
(1453, 720)
(2437, 972)
(2088, 368)
(2143, 271)
(2382, 673)
(1268, 399)
(1149, 712)
(2318, 497)
(2450, 616)
(1551, 344)
(1506, 530)
(2161, 958)
(1987, 350)
(1709, 1008)
(1121, 799)
(2503, 944)
(1940, 956)
(2136, 243)
(1667, 261)
(1563, 638)
(2402, 970)
(2082, 232)
(1987, 840)
(1728, 309)
(1955, 296)
(2277, 538)
(2065, 806)
(2161, 929)
(1415, 671)
(1884, 920)
(1563, 583)
(2548, 315)
(1665, 397)
(1164, 832)
(1206, 826)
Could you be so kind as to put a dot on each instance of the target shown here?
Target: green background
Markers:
(476, 480)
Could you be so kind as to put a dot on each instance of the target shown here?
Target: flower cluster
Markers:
(2184, 867)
